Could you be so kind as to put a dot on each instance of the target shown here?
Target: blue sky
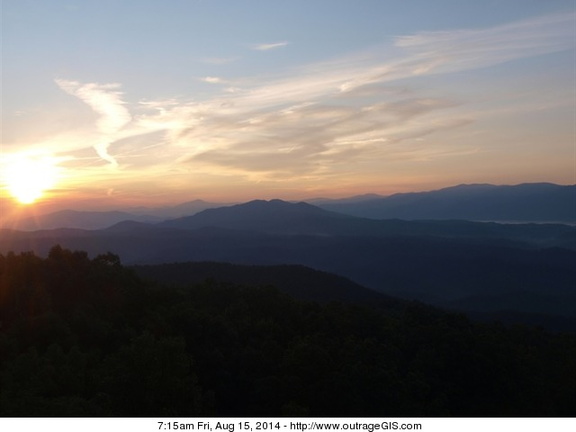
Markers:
(154, 102)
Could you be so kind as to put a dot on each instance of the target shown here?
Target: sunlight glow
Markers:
(28, 177)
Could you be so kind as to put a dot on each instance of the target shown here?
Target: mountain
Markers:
(77, 219)
(530, 202)
(87, 337)
(349, 200)
(280, 217)
(549, 308)
(482, 275)
(101, 219)
(484, 268)
(295, 280)
(536, 202)
(177, 211)
(274, 216)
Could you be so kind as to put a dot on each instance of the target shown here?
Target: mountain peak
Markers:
(274, 205)
(273, 216)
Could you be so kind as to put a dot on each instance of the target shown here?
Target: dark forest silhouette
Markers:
(87, 337)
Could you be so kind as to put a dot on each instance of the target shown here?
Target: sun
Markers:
(28, 177)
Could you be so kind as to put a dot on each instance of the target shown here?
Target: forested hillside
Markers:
(297, 281)
(524, 273)
(85, 336)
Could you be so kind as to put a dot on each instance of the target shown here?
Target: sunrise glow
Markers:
(331, 209)
(280, 103)
(29, 177)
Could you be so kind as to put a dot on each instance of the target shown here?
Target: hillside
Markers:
(297, 281)
(465, 275)
(520, 271)
(84, 336)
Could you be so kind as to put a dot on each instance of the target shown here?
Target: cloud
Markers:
(214, 80)
(269, 46)
(420, 54)
(310, 138)
(459, 50)
(322, 118)
(302, 123)
(106, 101)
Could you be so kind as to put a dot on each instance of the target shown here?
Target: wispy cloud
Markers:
(422, 54)
(452, 51)
(269, 46)
(308, 139)
(106, 101)
(214, 80)
(323, 118)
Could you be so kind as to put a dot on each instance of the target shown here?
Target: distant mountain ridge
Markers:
(90, 220)
(281, 217)
(471, 266)
(180, 210)
(274, 216)
(528, 202)
(93, 220)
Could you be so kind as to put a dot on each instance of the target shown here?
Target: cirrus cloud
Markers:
(269, 46)
(316, 119)
(106, 101)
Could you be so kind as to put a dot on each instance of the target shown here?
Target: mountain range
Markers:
(530, 202)
(280, 217)
(525, 271)
(90, 220)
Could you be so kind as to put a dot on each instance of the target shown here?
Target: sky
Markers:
(116, 103)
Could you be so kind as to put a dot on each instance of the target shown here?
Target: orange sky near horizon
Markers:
(280, 102)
